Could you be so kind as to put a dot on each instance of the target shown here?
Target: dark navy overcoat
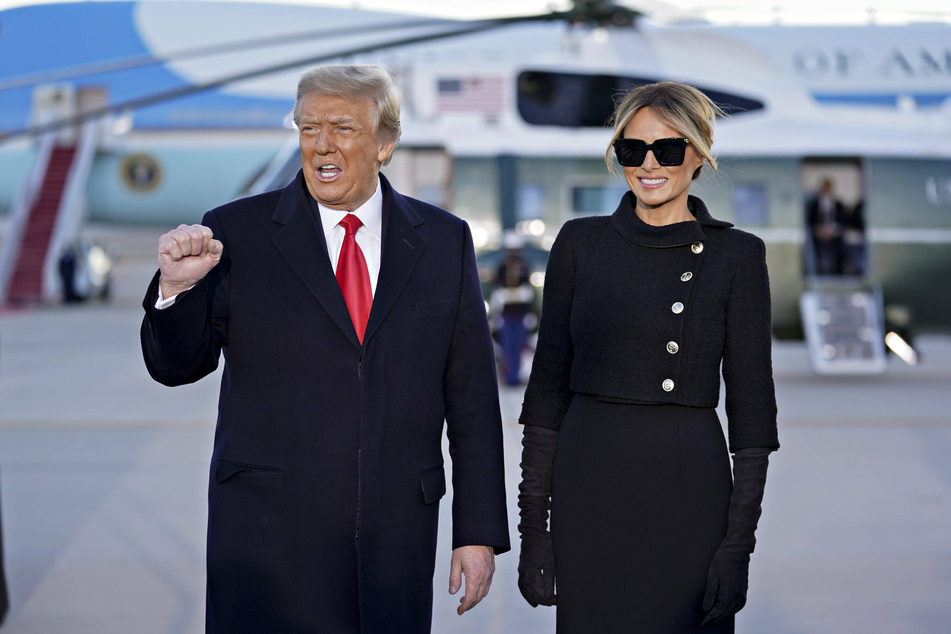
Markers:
(327, 467)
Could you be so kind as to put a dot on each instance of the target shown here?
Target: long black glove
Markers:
(536, 562)
(728, 579)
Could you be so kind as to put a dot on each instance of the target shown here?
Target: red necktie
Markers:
(353, 276)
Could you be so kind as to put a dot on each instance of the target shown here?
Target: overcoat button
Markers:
(672, 347)
(668, 385)
(696, 247)
(686, 276)
(677, 308)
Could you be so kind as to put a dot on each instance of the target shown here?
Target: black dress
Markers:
(636, 320)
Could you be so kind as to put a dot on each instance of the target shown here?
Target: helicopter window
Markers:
(574, 100)
(749, 204)
(587, 200)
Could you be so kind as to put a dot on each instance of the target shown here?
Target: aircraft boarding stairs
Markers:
(26, 282)
(844, 325)
(45, 218)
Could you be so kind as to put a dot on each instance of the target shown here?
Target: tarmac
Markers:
(103, 477)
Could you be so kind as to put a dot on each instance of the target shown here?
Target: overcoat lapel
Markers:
(402, 248)
(305, 249)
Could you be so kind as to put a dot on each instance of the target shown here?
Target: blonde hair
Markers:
(356, 81)
(681, 107)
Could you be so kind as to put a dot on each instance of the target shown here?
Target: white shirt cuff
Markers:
(161, 303)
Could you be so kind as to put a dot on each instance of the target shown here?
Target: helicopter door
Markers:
(842, 313)
(834, 218)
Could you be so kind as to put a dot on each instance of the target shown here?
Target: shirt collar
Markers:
(370, 214)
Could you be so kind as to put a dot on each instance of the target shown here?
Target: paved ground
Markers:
(103, 476)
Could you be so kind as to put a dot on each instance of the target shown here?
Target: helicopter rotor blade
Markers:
(184, 91)
(141, 61)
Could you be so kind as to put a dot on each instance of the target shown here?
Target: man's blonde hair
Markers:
(355, 81)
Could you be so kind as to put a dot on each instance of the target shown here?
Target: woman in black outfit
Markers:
(649, 533)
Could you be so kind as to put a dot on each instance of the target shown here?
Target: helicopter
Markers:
(185, 106)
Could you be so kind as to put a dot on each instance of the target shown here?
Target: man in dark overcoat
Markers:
(353, 328)
(825, 215)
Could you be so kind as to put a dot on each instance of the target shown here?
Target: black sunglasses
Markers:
(668, 152)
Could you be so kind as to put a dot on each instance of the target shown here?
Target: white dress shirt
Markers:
(369, 237)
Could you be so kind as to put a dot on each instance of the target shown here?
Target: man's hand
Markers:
(186, 255)
(477, 563)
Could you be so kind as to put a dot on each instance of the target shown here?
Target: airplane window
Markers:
(574, 100)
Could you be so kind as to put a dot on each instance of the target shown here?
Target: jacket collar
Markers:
(401, 249)
(302, 243)
(626, 221)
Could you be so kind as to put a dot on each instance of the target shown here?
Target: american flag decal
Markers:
(481, 95)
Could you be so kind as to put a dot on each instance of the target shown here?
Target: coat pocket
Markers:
(433, 309)
(433, 483)
(225, 469)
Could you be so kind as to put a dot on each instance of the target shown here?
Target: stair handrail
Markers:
(72, 206)
(20, 210)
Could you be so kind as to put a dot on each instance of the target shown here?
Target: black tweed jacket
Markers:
(634, 313)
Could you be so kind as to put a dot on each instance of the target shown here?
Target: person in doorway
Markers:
(353, 329)
(825, 215)
(621, 441)
(853, 240)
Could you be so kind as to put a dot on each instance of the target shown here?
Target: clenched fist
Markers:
(185, 256)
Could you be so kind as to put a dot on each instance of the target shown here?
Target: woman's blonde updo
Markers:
(682, 107)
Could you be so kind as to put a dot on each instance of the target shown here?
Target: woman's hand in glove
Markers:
(536, 570)
(536, 562)
(728, 578)
(727, 584)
